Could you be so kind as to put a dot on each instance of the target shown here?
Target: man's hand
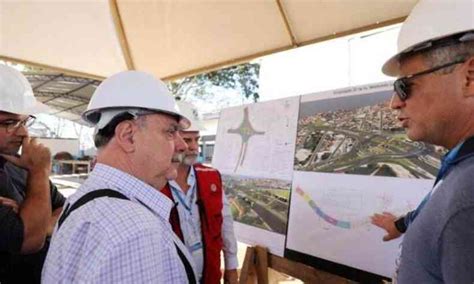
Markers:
(230, 276)
(34, 156)
(10, 203)
(386, 221)
(35, 210)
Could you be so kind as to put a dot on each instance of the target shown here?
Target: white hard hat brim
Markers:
(100, 118)
(188, 110)
(392, 66)
(428, 22)
(196, 126)
(37, 108)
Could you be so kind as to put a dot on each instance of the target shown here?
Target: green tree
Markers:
(242, 78)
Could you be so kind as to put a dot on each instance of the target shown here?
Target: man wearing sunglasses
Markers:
(29, 203)
(434, 94)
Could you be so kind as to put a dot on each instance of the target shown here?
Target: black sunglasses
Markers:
(402, 85)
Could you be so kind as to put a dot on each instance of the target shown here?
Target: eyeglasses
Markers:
(402, 85)
(12, 125)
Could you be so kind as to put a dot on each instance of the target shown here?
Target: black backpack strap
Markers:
(115, 194)
(187, 266)
(86, 198)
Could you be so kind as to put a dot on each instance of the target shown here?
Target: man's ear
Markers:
(124, 135)
(469, 77)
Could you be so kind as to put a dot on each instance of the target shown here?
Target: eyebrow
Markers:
(10, 119)
(173, 125)
(6, 116)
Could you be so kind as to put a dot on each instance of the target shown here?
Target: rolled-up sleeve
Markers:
(11, 230)
(57, 199)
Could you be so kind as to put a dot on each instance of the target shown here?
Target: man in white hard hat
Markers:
(115, 228)
(435, 99)
(202, 218)
(29, 203)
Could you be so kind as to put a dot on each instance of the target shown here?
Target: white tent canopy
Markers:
(175, 38)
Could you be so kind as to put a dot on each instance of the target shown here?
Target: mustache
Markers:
(192, 154)
(177, 158)
(181, 157)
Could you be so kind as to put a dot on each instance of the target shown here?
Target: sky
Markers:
(348, 61)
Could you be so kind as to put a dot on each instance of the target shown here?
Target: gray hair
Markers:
(446, 54)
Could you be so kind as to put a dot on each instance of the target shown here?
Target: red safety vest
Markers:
(209, 201)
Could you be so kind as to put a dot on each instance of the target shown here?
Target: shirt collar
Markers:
(191, 180)
(132, 187)
(191, 177)
(463, 150)
(452, 154)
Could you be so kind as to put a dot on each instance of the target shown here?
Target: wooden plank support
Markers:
(247, 273)
(258, 260)
(262, 265)
(303, 272)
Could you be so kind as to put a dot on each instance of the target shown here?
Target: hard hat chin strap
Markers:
(107, 116)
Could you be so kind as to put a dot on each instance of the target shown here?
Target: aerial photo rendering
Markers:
(258, 202)
(366, 141)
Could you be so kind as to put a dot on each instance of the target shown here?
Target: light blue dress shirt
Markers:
(189, 218)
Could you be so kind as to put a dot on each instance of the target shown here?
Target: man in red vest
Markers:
(202, 217)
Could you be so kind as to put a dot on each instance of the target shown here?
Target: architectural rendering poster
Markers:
(255, 146)
(257, 140)
(352, 160)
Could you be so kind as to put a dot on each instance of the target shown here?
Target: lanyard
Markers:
(188, 207)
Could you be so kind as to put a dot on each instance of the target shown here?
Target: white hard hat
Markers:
(16, 95)
(191, 112)
(131, 90)
(431, 20)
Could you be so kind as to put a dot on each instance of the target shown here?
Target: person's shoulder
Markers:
(17, 175)
(461, 176)
(117, 219)
(459, 185)
(126, 213)
(122, 210)
(129, 221)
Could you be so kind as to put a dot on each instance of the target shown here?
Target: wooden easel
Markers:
(258, 260)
